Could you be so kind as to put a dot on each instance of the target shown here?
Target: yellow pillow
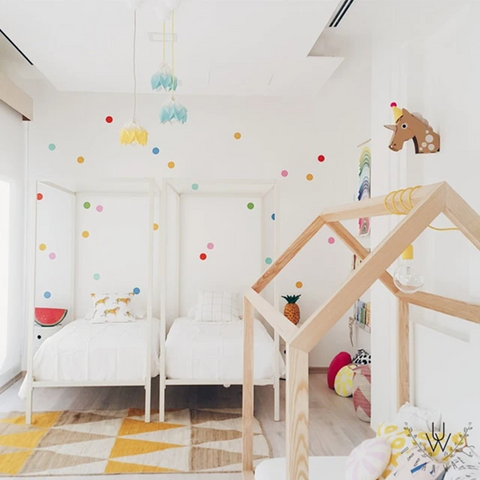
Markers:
(344, 381)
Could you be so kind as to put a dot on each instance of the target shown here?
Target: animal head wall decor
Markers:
(412, 126)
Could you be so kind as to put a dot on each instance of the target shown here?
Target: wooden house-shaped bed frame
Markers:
(428, 202)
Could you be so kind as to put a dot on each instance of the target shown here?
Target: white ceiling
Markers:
(225, 47)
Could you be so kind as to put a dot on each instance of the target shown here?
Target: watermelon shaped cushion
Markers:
(49, 317)
(340, 361)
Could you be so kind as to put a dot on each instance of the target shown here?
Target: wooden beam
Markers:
(15, 98)
(463, 216)
(323, 319)
(448, 306)
(248, 386)
(297, 414)
(374, 207)
(356, 247)
(288, 254)
(280, 323)
(403, 349)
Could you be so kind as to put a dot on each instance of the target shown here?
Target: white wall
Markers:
(12, 170)
(277, 134)
(437, 74)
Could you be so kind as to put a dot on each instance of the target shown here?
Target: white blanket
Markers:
(214, 350)
(86, 352)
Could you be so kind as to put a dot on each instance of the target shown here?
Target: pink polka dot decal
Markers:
(52, 256)
(99, 208)
(284, 173)
(203, 256)
(210, 246)
(331, 240)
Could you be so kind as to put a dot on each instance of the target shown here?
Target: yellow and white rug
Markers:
(119, 441)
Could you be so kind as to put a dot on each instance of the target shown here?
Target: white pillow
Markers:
(418, 418)
(112, 307)
(369, 460)
(217, 307)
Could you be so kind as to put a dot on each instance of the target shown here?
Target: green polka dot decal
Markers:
(96, 276)
(250, 206)
(194, 186)
(87, 205)
(268, 261)
(52, 147)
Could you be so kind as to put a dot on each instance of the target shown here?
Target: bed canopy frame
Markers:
(428, 202)
(146, 187)
(254, 189)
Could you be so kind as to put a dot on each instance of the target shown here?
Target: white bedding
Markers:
(214, 350)
(83, 351)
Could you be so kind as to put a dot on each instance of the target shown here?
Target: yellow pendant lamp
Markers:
(133, 133)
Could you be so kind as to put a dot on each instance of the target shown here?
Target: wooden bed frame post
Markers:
(248, 386)
(297, 414)
(403, 353)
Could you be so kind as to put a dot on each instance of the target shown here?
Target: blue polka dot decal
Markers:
(155, 150)
(136, 290)
(47, 294)
(273, 216)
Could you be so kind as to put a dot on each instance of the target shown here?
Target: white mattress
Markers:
(83, 351)
(214, 351)
(331, 468)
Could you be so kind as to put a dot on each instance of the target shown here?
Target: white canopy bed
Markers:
(85, 353)
(202, 352)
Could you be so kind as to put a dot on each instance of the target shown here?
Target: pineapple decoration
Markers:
(292, 310)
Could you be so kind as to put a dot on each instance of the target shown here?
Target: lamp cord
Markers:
(134, 65)
(409, 207)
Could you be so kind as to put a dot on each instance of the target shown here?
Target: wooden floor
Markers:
(334, 426)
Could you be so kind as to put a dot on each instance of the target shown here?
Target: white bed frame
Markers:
(216, 188)
(124, 187)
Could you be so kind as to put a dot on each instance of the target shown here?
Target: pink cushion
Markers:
(341, 360)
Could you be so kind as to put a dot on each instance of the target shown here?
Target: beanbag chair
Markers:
(340, 361)
(362, 392)
(368, 460)
(344, 381)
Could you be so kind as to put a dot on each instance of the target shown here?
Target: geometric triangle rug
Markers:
(106, 442)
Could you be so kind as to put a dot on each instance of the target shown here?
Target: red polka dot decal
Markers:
(109, 119)
(321, 158)
(203, 256)
(39, 196)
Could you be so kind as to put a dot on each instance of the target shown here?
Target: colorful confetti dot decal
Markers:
(52, 256)
(393, 104)
(268, 261)
(250, 206)
(109, 119)
(99, 208)
(39, 196)
(331, 240)
(47, 294)
(85, 234)
(136, 290)
(80, 160)
(155, 226)
(171, 164)
(321, 158)
(284, 173)
(299, 284)
(273, 216)
(52, 147)
(203, 256)
(96, 276)
(42, 247)
(210, 246)
(309, 177)
(87, 205)
(194, 186)
(155, 150)
(237, 136)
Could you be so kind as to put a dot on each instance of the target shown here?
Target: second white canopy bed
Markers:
(201, 349)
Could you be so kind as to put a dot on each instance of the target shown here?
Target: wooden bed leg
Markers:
(403, 375)
(248, 387)
(276, 380)
(297, 414)
(29, 403)
(161, 394)
(148, 399)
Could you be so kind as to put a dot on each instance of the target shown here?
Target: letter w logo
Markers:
(438, 440)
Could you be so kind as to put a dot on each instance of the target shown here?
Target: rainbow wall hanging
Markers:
(364, 189)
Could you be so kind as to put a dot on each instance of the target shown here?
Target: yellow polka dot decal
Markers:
(42, 247)
(85, 234)
(299, 284)
(155, 226)
(171, 164)
(237, 135)
(309, 177)
(80, 160)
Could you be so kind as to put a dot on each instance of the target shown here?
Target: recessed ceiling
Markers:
(224, 47)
